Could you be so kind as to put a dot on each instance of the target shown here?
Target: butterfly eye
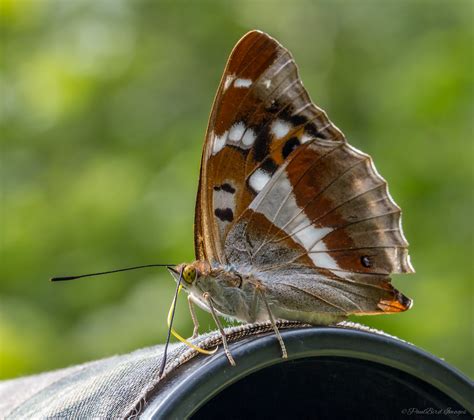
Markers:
(189, 274)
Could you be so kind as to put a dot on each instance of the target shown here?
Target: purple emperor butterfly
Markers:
(291, 221)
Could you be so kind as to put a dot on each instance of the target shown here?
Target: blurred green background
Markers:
(104, 109)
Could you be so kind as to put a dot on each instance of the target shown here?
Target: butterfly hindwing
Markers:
(326, 214)
(331, 200)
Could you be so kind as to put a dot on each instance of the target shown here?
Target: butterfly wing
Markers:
(325, 223)
(281, 192)
(261, 113)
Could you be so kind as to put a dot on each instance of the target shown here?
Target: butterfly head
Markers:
(189, 272)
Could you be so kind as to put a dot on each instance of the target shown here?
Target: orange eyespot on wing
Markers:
(399, 303)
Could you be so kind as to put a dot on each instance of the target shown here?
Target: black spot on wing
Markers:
(228, 188)
(290, 145)
(225, 187)
(269, 166)
(298, 119)
(261, 145)
(226, 215)
(311, 130)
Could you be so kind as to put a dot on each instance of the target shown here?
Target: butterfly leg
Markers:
(261, 292)
(193, 317)
(208, 299)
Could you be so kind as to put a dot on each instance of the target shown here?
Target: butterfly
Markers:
(291, 221)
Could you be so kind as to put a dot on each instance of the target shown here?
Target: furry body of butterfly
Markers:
(235, 295)
(291, 221)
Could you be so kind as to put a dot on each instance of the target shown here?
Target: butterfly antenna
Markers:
(170, 327)
(66, 278)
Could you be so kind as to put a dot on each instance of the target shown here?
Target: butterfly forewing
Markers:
(261, 114)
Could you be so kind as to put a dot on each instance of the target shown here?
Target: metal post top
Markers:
(331, 372)
(187, 389)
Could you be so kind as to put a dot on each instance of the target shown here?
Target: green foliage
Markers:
(104, 109)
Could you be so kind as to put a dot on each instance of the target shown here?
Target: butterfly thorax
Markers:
(233, 292)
